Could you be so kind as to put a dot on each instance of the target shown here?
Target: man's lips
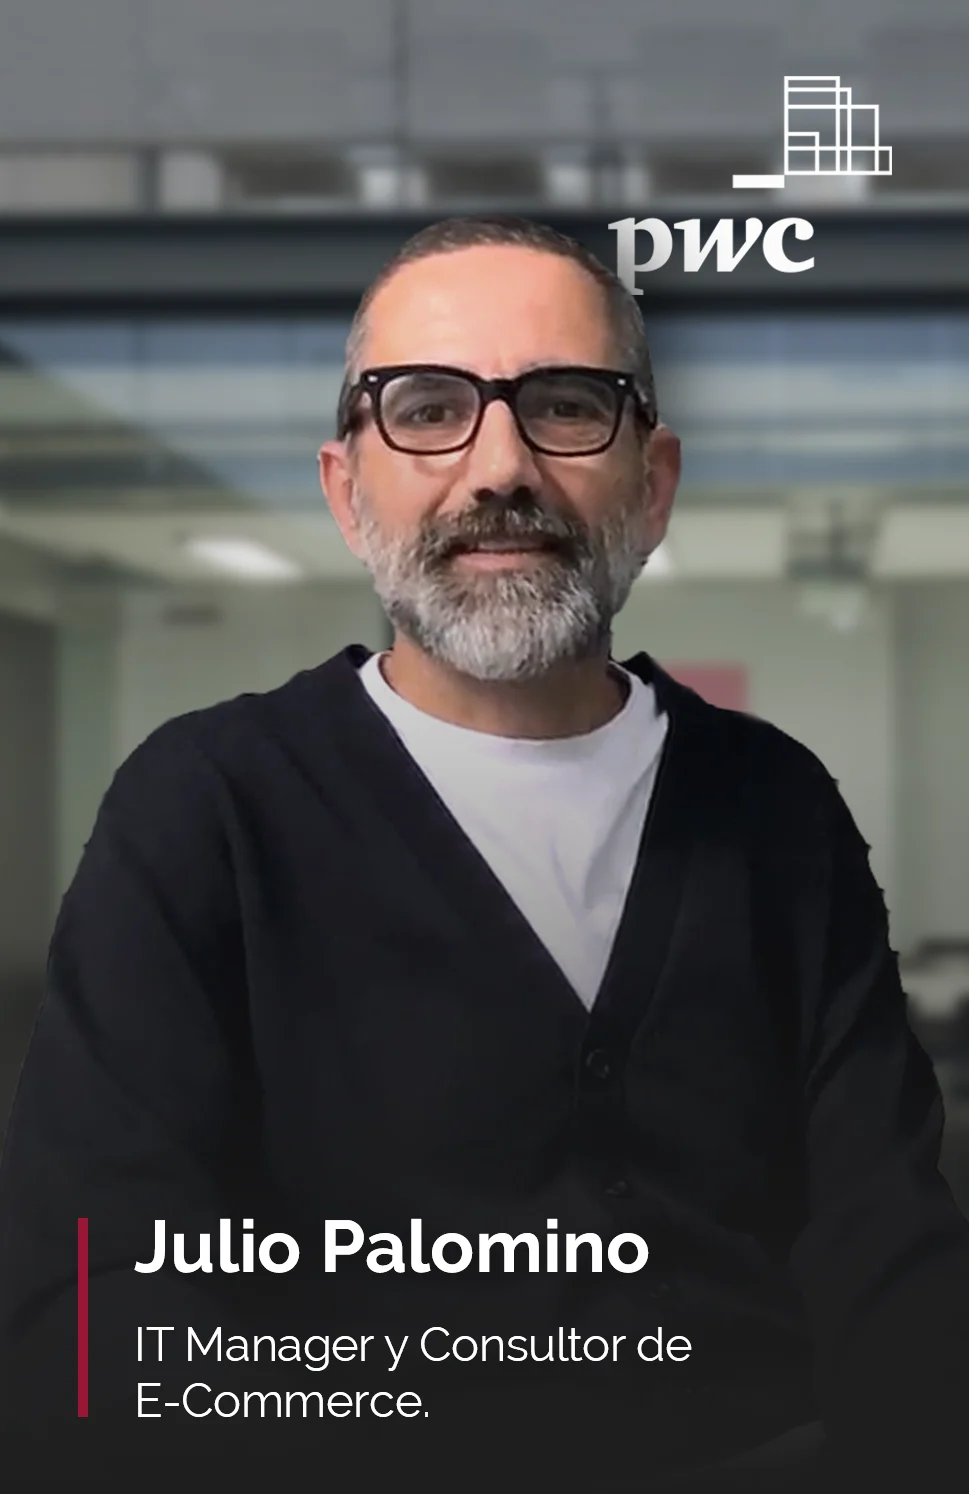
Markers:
(504, 546)
(504, 557)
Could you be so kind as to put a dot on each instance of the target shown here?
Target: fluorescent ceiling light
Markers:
(244, 558)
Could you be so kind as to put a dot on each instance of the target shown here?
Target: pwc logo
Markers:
(826, 134)
(721, 240)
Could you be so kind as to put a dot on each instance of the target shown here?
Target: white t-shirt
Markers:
(559, 821)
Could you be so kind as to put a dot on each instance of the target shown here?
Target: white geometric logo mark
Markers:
(825, 134)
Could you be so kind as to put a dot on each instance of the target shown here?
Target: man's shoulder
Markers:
(771, 750)
(224, 732)
(740, 742)
(189, 762)
(744, 741)
(782, 789)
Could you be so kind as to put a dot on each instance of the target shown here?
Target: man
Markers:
(496, 934)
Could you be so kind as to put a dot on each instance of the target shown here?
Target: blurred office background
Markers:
(192, 196)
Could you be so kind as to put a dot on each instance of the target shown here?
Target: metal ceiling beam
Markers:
(863, 258)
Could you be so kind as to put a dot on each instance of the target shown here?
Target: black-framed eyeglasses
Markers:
(429, 409)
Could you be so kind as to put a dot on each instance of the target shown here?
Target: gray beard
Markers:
(507, 625)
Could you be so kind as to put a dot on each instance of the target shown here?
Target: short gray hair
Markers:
(473, 231)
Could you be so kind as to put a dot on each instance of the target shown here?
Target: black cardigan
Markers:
(284, 984)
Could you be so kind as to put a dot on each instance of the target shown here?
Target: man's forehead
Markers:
(490, 300)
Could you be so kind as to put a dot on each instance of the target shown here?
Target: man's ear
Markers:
(663, 458)
(336, 480)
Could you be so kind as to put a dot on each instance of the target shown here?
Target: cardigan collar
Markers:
(326, 711)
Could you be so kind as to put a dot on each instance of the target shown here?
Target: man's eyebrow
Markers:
(531, 365)
(534, 363)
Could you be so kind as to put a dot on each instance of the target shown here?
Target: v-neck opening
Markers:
(503, 935)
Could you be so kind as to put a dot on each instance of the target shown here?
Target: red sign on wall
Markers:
(721, 684)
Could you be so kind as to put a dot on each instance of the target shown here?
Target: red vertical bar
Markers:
(82, 1317)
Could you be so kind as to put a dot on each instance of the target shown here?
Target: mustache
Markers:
(519, 518)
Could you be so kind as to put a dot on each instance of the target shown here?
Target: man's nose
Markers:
(498, 458)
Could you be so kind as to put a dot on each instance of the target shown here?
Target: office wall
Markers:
(129, 660)
(27, 699)
(932, 652)
(177, 653)
(87, 647)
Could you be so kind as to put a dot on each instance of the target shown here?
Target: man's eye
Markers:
(429, 413)
(430, 409)
(567, 409)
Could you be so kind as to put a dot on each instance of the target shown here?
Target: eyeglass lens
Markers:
(566, 413)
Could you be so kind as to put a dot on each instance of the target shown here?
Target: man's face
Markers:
(427, 525)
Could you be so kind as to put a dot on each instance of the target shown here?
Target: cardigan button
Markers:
(619, 1188)
(598, 1065)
